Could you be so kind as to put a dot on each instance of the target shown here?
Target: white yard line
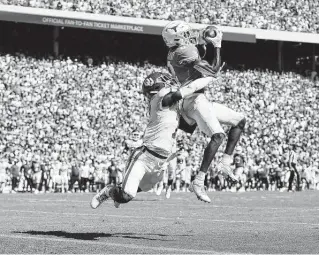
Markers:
(120, 245)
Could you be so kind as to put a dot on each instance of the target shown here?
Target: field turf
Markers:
(241, 223)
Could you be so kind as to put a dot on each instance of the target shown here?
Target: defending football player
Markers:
(144, 164)
(186, 64)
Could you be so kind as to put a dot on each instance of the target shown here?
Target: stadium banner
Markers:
(100, 22)
(138, 25)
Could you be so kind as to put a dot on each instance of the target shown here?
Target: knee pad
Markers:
(218, 138)
(120, 196)
(241, 124)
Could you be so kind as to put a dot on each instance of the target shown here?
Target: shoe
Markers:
(100, 197)
(199, 191)
(168, 192)
(116, 204)
(36, 192)
(159, 190)
(226, 171)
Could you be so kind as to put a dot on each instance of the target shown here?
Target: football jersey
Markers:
(186, 174)
(55, 170)
(131, 144)
(27, 169)
(181, 160)
(180, 63)
(98, 171)
(159, 135)
(36, 167)
(64, 168)
(293, 157)
(3, 166)
(239, 161)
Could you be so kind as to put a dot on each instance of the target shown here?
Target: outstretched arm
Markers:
(217, 60)
(174, 97)
(216, 41)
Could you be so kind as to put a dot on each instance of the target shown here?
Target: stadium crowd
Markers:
(285, 15)
(65, 122)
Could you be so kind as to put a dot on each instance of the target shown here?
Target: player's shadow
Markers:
(96, 236)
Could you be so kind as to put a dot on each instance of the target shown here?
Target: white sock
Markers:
(227, 159)
(200, 177)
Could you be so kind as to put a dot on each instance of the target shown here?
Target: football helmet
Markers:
(155, 82)
(136, 136)
(179, 33)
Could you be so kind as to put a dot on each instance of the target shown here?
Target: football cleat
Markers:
(116, 204)
(226, 171)
(159, 190)
(100, 197)
(168, 192)
(199, 191)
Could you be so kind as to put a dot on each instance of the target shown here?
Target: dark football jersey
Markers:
(180, 62)
(239, 161)
(26, 169)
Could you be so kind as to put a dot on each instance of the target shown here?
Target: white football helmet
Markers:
(178, 33)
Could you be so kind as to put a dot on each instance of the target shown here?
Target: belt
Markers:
(155, 154)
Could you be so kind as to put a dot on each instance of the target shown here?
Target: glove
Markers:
(217, 40)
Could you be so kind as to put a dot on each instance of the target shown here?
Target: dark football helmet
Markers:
(155, 82)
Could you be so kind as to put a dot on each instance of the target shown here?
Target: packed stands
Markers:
(297, 16)
(69, 111)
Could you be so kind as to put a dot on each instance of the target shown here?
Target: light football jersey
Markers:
(160, 132)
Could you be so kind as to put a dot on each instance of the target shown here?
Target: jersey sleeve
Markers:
(185, 55)
(163, 92)
(160, 95)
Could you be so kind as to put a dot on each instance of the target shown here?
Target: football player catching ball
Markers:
(186, 64)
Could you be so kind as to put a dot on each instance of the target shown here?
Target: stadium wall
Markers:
(137, 25)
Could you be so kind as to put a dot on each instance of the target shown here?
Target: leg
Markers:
(72, 183)
(237, 122)
(297, 176)
(169, 188)
(14, 183)
(136, 169)
(291, 179)
(171, 171)
(30, 182)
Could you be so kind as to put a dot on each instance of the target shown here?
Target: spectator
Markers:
(86, 111)
(15, 175)
(273, 15)
(75, 176)
(86, 170)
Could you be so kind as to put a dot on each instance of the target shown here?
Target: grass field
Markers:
(252, 222)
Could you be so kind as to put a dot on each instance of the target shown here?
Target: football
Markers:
(210, 31)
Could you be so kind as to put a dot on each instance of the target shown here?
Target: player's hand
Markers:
(201, 39)
(217, 40)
